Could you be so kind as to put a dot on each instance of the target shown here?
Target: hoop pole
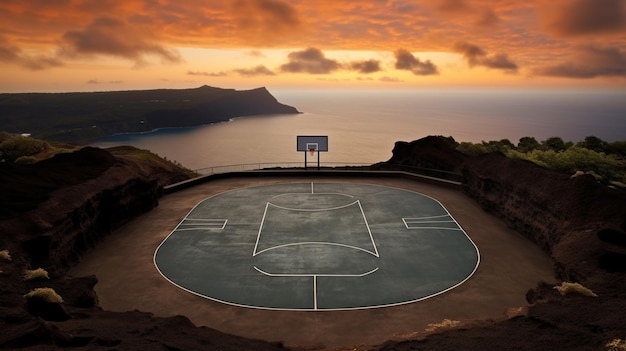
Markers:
(318, 160)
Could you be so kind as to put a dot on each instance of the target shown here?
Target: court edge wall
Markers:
(308, 173)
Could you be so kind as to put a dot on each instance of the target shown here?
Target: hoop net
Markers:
(312, 151)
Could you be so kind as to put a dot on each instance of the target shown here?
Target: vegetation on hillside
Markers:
(22, 149)
(604, 161)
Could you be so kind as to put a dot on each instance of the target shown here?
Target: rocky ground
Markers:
(54, 210)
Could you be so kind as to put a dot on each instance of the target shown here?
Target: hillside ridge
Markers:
(83, 117)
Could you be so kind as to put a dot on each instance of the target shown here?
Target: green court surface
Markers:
(317, 246)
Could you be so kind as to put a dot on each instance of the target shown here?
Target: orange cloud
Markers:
(542, 37)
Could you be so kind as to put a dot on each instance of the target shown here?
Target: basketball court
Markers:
(317, 246)
(316, 262)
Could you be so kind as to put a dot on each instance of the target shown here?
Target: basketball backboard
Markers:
(318, 142)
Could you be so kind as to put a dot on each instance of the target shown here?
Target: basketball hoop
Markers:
(312, 151)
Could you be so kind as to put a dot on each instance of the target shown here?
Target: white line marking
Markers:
(202, 224)
(311, 209)
(314, 290)
(312, 192)
(373, 253)
(313, 274)
(254, 253)
(428, 217)
(442, 228)
(413, 223)
(422, 222)
(368, 229)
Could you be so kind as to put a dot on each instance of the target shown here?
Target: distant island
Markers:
(86, 117)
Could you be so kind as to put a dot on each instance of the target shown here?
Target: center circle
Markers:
(317, 246)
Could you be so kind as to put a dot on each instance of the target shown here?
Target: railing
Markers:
(271, 165)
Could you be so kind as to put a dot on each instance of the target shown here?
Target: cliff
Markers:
(75, 201)
(581, 224)
(85, 117)
(567, 217)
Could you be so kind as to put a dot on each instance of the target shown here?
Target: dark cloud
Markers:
(365, 67)
(487, 18)
(256, 71)
(207, 74)
(109, 36)
(263, 17)
(13, 54)
(476, 56)
(390, 79)
(453, 6)
(255, 53)
(97, 81)
(406, 61)
(8, 53)
(311, 60)
(38, 63)
(590, 62)
(581, 17)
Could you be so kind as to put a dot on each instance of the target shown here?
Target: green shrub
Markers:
(567, 288)
(47, 294)
(17, 146)
(5, 255)
(26, 160)
(38, 273)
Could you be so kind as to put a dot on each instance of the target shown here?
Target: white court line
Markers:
(314, 276)
(313, 209)
(314, 290)
(368, 228)
(412, 223)
(373, 253)
(442, 228)
(258, 236)
(428, 217)
(193, 224)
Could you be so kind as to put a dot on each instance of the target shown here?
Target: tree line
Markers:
(603, 160)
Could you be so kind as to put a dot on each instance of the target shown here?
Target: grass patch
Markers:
(38, 273)
(567, 288)
(445, 324)
(616, 345)
(47, 294)
(5, 255)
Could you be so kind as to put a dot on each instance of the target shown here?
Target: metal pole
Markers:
(318, 160)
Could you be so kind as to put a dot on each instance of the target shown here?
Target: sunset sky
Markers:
(89, 45)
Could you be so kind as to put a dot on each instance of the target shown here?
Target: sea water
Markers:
(362, 126)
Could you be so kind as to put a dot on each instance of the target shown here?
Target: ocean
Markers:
(363, 125)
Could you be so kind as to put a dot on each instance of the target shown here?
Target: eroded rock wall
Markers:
(563, 215)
